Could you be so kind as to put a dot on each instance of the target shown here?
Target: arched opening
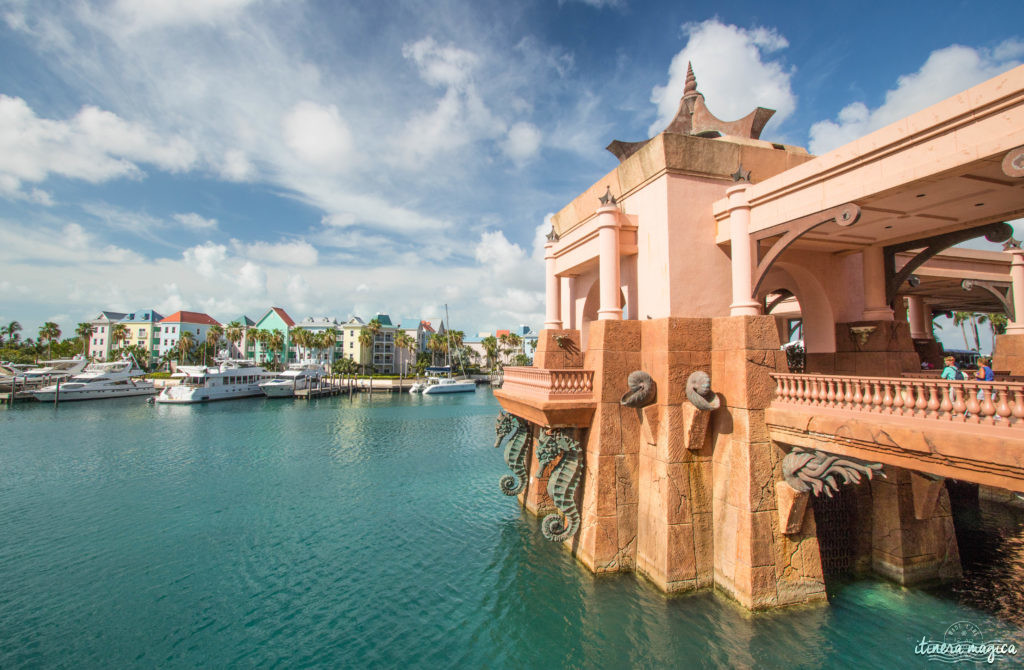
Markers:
(817, 319)
(590, 307)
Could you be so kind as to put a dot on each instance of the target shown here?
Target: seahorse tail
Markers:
(511, 486)
(559, 529)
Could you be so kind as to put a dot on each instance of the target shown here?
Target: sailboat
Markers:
(438, 384)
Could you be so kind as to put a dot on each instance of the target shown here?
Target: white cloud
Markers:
(94, 146)
(732, 72)
(280, 253)
(447, 66)
(194, 221)
(318, 135)
(207, 259)
(235, 166)
(147, 14)
(946, 72)
(522, 142)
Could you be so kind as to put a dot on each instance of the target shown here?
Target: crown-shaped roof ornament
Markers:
(694, 118)
(608, 198)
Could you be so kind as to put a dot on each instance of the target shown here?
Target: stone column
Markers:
(608, 244)
(568, 294)
(742, 256)
(552, 319)
(875, 307)
(1016, 327)
(918, 326)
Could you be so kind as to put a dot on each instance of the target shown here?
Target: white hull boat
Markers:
(296, 378)
(436, 386)
(228, 381)
(98, 381)
(51, 371)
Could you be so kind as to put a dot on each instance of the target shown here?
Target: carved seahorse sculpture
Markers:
(562, 482)
(515, 451)
(698, 391)
(817, 471)
(642, 390)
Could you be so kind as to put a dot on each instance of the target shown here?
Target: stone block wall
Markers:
(1008, 354)
(887, 352)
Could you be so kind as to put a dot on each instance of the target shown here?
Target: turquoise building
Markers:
(275, 319)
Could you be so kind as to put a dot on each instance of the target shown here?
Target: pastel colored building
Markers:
(142, 329)
(318, 326)
(670, 437)
(172, 327)
(274, 319)
(242, 348)
(100, 344)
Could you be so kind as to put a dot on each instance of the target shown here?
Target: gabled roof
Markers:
(355, 321)
(245, 321)
(110, 316)
(143, 316)
(383, 319)
(425, 325)
(281, 313)
(191, 317)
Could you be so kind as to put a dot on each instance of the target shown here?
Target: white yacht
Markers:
(116, 379)
(231, 379)
(298, 377)
(418, 386)
(56, 369)
(437, 385)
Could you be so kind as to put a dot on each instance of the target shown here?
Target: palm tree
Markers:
(404, 340)
(185, 344)
(213, 337)
(329, 342)
(437, 345)
(11, 330)
(234, 334)
(302, 339)
(49, 331)
(366, 341)
(490, 345)
(84, 331)
(259, 336)
(118, 334)
(276, 343)
(998, 324)
(959, 319)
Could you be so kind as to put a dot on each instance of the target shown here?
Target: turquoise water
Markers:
(352, 534)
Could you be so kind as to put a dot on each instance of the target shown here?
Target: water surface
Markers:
(369, 533)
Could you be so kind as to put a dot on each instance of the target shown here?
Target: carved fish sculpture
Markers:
(698, 391)
(642, 390)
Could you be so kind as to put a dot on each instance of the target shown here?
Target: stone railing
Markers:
(564, 384)
(989, 403)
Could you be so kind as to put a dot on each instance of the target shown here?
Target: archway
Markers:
(816, 314)
(590, 307)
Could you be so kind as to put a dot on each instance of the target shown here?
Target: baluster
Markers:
(946, 404)
(959, 406)
(920, 401)
(1018, 403)
(897, 401)
(933, 400)
(813, 397)
(876, 397)
(887, 397)
(988, 408)
(1003, 410)
(973, 406)
(858, 399)
(830, 394)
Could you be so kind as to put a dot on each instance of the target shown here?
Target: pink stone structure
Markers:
(677, 260)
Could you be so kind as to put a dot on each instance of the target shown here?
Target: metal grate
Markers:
(836, 519)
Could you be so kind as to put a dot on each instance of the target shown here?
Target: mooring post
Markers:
(56, 395)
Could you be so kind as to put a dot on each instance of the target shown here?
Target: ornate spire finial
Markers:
(608, 198)
(691, 81)
(552, 236)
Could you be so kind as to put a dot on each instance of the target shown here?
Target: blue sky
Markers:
(344, 158)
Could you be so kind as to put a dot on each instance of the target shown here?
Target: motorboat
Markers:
(298, 377)
(418, 386)
(51, 371)
(116, 379)
(436, 385)
(229, 380)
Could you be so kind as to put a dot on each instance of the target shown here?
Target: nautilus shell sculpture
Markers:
(698, 391)
(642, 390)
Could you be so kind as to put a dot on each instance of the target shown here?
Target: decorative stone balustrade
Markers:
(970, 402)
(553, 384)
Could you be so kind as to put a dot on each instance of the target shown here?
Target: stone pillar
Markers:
(873, 269)
(754, 561)
(1016, 327)
(918, 327)
(568, 294)
(552, 320)
(906, 549)
(742, 252)
(608, 245)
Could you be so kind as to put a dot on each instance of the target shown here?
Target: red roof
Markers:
(284, 316)
(426, 326)
(502, 332)
(191, 317)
